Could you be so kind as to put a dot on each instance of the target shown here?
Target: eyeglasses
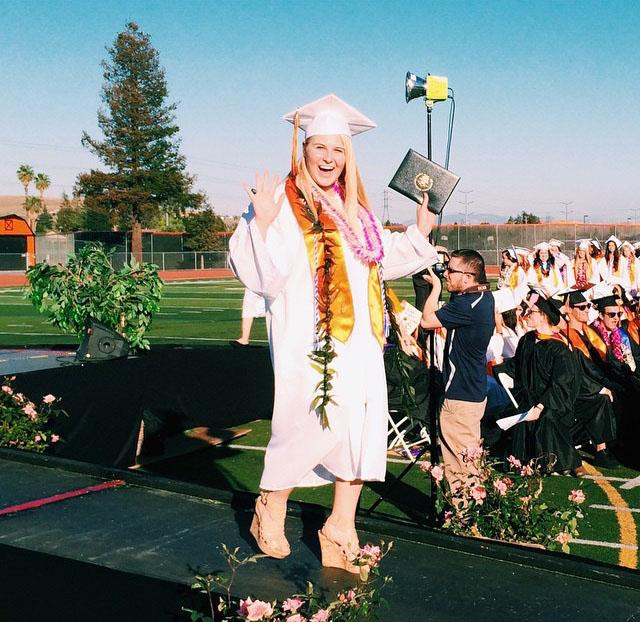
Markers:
(582, 307)
(454, 271)
(613, 314)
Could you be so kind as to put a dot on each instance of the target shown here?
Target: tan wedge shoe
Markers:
(267, 527)
(338, 550)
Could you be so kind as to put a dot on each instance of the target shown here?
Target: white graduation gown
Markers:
(300, 452)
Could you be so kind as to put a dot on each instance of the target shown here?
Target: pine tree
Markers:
(44, 222)
(140, 147)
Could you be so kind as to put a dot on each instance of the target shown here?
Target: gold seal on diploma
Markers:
(423, 182)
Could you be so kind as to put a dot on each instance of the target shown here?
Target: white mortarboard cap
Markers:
(636, 245)
(521, 250)
(613, 238)
(583, 244)
(511, 251)
(600, 290)
(542, 246)
(596, 244)
(554, 242)
(505, 300)
(627, 243)
(330, 115)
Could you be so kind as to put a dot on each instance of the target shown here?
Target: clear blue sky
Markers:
(547, 93)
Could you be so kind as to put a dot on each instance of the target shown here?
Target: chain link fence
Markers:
(489, 240)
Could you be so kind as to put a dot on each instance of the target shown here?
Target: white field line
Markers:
(609, 545)
(210, 298)
(609, 479)
(615, 508)
(226, 340)
(19, 325)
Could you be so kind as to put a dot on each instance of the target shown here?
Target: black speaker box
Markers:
(102, 344)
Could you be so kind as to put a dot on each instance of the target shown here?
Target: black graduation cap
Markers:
(550, 307)
(606, 301)
(575, 298)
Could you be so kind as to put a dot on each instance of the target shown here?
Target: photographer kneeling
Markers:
(469, 320)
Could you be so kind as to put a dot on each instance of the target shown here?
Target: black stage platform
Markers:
(129, 553)
(171, 388)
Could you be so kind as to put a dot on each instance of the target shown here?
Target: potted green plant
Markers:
(88, 289)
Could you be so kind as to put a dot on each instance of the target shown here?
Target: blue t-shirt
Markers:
(469, 320)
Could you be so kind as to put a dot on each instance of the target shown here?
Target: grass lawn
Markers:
(209, 313)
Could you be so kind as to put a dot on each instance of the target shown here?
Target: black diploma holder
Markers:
(417, 175)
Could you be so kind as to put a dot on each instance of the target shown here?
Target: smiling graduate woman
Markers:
(313, 248)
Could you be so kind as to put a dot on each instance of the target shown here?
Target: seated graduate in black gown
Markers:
(593, 409)
(545, 373)
(619, 359)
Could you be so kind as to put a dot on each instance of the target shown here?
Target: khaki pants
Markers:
(459, 430)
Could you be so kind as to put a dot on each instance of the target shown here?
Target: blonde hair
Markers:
(350, 180)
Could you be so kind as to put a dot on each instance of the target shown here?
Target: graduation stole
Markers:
(334, 315)
(596, 341)
(322, 238)
(551, 270)
(513, 280)
(632, 326)
(577, 342)
(553, 337)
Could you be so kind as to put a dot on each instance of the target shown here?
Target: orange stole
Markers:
(341, 306)
(596, 341)
(632, 326)
(576, 341)
(554, 337)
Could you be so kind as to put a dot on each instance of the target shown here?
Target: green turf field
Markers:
(209, 313)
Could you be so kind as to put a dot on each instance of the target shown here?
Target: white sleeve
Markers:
(264, 265)
(406, 253)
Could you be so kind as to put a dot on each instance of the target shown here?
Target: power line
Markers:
(466, 204)
(566, 209)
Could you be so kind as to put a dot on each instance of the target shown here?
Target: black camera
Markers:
(439, 268)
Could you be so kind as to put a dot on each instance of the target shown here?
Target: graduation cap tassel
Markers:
(294, 147)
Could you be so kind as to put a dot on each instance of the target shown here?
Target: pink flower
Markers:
(322, 615)
(470, 454)
(563, 538)
(55, 438)
(30, 411)
(292, 604)
(37, 438)
(424, 466)
(47, 399)
(526, 471)
(257, 610)
(479, 493)
(514, 462)
(370, 554)
(243, 606)
(437, 472)
(577, 497)
(296, 617)
(18, 397)
(525, 500)
(349, 597)
(7, 389)
(501, 486)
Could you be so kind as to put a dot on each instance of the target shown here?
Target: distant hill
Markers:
(12, 204)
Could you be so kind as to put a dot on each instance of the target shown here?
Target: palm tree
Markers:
(32, 206)
(25, 175)
(42, 182)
